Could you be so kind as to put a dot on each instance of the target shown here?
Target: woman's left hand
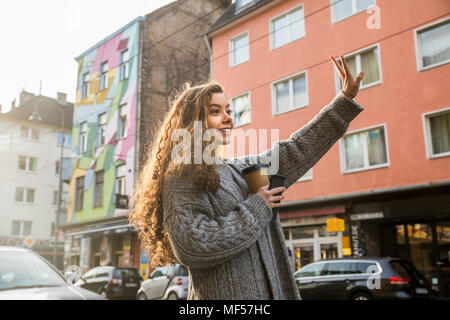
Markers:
(350, 86)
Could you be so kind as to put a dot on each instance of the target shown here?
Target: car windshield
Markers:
(22, 269)
(126, 273)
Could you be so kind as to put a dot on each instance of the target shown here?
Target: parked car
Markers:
(111, 282)
(362, 279)
(169, 282)
(25, 275)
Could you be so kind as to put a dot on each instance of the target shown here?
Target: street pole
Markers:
(58, 210)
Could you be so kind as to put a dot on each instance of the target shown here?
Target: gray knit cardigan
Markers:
(230, 243)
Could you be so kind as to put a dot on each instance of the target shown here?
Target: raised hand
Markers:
(350, 86)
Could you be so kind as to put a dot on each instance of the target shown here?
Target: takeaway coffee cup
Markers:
(256, 177)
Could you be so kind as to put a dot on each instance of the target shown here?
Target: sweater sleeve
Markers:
(201, 238)
(305, 147)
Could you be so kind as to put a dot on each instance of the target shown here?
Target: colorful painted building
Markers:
(104, 135)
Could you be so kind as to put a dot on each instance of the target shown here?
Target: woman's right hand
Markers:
(269, 195)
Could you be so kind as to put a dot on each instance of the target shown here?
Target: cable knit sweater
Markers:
(229, 242)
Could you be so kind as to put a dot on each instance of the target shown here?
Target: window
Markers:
(239, 50)
(303, 232)
(27, 163)
(124, 68)
(55, 197)
(310, 271)
(102, 129)
(98, 197)
(83, 137)
(103, 76)
(287, 28)
(307, 176)
(85, 86)
(290, 94)
(21, 228)
(337, 268)
(79, 194)
(341, 9)
(364, 150)
(437, 133)
(121, 187)
(368, 61)
(29, 133)
(123, 121)
(241, 109)
(24, 195)
(433, 45)
(365, 267)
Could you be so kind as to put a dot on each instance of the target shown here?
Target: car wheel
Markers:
(142, 296)
(361, 296)
(172, 296)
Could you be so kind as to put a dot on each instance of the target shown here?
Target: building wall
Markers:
(115, 151)
(44, 180)
(398, 101)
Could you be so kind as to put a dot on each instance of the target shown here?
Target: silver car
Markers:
(25, 275)
(166, 283)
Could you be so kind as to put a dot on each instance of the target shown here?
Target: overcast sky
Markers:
(40, 38)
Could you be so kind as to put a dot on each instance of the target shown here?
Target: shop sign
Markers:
(367, 216)
(356, 240)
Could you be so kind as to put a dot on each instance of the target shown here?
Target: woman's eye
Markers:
(230, 111)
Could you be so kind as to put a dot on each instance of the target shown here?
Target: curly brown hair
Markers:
(147, 214)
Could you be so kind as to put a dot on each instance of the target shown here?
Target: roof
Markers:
(232, 14)
(48, 108)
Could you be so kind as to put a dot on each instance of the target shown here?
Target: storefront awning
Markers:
(103, 230)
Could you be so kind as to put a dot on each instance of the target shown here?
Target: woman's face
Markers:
(220, 116)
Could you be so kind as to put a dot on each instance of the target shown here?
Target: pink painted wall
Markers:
(399, 101)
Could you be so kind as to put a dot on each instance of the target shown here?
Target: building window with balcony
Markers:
(85, 86)
(239, 49)
(287, 27)
(103, 76)
(28, 164)
(98, 195)
(83, 137)
(123, 121)
(290, 94)
(102, 129)
(24, 195)
(364, 150)
(79, 193)
(124, 64)
(433, 45)
(341, 9)
(367, 60)
(437, 133)
(21, 228)
(241, 109)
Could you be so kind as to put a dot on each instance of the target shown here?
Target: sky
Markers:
(40, 39)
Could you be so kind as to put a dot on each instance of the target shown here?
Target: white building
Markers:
(30, 153)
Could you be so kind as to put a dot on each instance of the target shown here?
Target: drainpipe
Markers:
(208, 45)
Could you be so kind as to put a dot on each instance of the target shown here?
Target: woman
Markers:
(202, 215)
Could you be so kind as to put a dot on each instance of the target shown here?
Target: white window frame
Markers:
(358, 67)
(77, 194)
(124, 65)
(418, 45)
(366, 153)
(83, 137)
(291, 92)
(103, 83)
(354, 12)
(306, 177)
(281, 15)
(21, 229)
(27, 164)
(232, 48)
(427, 133)
(234, 110)
(119, 133)
(85, 85)
(29, 133)
(100, 131)
(99, 196)
(25, 195)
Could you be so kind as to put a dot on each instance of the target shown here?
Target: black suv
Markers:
(111, 282)
(362, 279)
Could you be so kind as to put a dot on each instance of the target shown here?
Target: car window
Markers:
(157, 273)
(26, 269)
(337, 268)
(126, 273)
(365, 267)
(183, 271)
(102, 272)
(399, 267)
(312, 270)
